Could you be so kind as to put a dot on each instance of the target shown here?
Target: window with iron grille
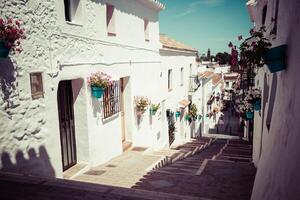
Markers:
(111, 100)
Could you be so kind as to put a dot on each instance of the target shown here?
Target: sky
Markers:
(205, 24)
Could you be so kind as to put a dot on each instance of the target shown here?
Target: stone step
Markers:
(15, 186)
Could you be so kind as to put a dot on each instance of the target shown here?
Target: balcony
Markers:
(194, 83)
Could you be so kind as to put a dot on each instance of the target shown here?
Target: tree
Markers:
(223, 58)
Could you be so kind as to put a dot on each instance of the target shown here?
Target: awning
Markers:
(184, 103)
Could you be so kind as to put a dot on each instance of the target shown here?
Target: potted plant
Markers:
(177, 114)
(275, 58)
(254, 97)
(141, 104)
(11, 35)
(246, 109)
(98, 82)
(154, 108)
(193, 112)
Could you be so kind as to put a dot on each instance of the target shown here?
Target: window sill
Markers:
(74, 24)
(110, 118)
(111, 34)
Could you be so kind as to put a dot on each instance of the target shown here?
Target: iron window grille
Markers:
(111, 100)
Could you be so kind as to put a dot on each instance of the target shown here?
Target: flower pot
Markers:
(249, 115)
(257, 105)
(4, 51)
(177, 114)
(275, 58)
(97, 92)
(199, 117)
(153, 112)
(187, 118)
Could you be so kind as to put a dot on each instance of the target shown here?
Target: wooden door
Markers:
(66, 124)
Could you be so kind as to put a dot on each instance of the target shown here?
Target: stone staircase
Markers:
(222, 171)
(180, 152)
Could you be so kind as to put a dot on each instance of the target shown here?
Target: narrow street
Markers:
(221, 169)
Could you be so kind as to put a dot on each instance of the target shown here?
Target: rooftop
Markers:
(216, 79)
(170, 43)
(206, 74)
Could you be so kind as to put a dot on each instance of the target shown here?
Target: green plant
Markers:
(193, 111)
(251, 55)
(154, 107)
(141, 103)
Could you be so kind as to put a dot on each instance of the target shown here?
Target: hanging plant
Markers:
(11, 34)
(98, 82)
(154, 108)
(252, 50)
(141, 103)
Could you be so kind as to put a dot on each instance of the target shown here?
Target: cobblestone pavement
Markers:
(122, 171)
(222, 171)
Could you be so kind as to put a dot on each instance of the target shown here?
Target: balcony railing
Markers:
(194, 83)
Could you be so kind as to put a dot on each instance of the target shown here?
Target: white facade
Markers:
(62, 51)
(276, 128)
(182, 65)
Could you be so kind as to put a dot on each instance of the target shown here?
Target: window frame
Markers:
(181, 76)
(73, 15)
(146, 30)
(36, 94)
(170, 80)
(111, 20)
(111, 100)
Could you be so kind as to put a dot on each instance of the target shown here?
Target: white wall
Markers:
(176, 60)
(70, 51)
(278, 167)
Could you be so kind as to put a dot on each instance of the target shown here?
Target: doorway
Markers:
(66, 124)
(124, 118)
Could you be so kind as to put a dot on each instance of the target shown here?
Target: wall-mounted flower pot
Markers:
(187, 118)
(249, 115)
(4, 51)
(97, 92)
(275, 58)
(177, 114)
(153, 112)
(257, 105)
(199, 117)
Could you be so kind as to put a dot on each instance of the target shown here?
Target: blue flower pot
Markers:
(177, 114)
(257, 105)
(199, 117)
(275, 58)
(3, 50)
(249, 115)
(97, 92)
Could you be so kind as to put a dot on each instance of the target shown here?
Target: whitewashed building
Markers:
(276, 127)
(179, 66)
(48, 118)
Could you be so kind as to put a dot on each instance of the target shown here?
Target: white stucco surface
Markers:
(279, 164)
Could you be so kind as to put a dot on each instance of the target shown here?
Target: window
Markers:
(275, 19)
(146, 30)
(181, 76)
(72, 10)
(36, 83)
(170, 79)
(111, 100)
(227, 84)
(110, 20)
(264, 15)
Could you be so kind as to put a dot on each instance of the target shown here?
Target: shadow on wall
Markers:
(7, 78)
(36, 165)
(271, 99)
